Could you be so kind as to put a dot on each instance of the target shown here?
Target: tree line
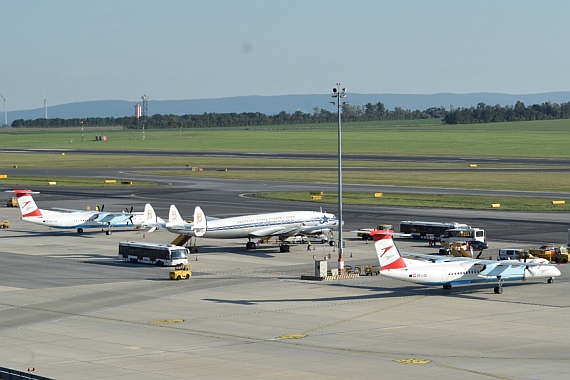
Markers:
(482, 113)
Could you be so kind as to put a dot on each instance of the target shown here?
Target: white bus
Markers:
(156, 254)
(464, 235)
(425, 230)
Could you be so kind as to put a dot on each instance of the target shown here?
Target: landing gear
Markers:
(108, 232)
(499, 288)
(284, 248)
(80, 230)
(447, 286)
(250, 245)
(550, 280)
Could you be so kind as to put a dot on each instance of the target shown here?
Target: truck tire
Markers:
(178, 277)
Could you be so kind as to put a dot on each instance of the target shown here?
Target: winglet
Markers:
(200, 224)
(27, 205)
(388, 255)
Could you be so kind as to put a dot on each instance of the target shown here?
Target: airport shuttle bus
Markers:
(425, 230)
(463, 235)
(156, 254)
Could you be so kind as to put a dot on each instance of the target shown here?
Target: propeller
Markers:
(524, 256)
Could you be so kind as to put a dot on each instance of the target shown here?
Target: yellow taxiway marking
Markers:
(413, 361)
(165, 321)
(292, 336)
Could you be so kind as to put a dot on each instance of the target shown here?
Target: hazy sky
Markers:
(76, 50)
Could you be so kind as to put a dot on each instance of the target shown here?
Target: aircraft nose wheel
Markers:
(498, 290)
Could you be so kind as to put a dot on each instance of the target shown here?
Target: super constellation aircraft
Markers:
(436, 270)
(77, 219)
(258, 226)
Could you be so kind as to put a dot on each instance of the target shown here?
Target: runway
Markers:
(72, 311)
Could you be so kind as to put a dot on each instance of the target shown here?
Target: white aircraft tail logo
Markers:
(388, 255)
(150, 218)
(200, 224)
(27, 205)
(174, 218)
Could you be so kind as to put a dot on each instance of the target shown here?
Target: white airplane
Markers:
(438, 270)
(79, 219)
(258, 226)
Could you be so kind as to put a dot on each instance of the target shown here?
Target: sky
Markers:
(78, 50)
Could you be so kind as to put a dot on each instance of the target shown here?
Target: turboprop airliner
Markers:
(79, 219)
(258, 226)
(447, 272)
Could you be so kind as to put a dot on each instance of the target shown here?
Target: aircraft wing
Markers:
(490, 263)
(69, 209)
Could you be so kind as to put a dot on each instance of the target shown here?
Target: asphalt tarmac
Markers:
(71, 310)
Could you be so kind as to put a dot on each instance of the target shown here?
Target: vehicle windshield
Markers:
(178, 254)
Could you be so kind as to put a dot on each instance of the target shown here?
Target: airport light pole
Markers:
(339, 93)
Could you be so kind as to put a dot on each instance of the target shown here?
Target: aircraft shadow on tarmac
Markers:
(239, 249)
(87, 234)
(482, 292)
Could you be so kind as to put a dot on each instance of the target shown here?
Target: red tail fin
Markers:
(388, 254)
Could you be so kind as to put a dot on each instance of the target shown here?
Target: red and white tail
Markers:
(27, 205)
(388, 255)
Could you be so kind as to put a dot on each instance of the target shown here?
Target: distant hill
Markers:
(272, 105)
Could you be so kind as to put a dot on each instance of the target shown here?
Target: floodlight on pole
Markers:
(339, 93)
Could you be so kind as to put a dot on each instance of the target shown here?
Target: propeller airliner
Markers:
(78, 219)
(448, 272)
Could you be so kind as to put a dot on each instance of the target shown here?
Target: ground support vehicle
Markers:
(364, 233)
(180, 271)
(156, 254)
(471, 234)
(4, 224)
(12, 202)
(369, 270)
(551, 253)
(425, 230)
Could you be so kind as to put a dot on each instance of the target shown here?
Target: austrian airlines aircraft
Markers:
(78, 219)
(258, 226)
(438, 270)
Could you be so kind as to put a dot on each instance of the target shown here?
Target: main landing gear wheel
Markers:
(498, 290)
(447, 286)
(550, 280)
(250, 245)
(284, 248)
(80, 230)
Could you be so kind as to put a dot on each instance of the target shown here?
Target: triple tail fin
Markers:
(388, 254)
(200, 223)
(27, 205)
(150, 219)
(174, 218)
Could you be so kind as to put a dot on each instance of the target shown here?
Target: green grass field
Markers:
(547, 139)
(540, 139)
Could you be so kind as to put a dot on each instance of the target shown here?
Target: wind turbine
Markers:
(5, 111)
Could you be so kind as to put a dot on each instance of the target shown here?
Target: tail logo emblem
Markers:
(386, 250)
